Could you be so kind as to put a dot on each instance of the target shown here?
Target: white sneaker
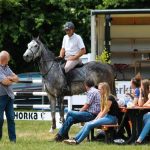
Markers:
(119, 141)
(70, 141)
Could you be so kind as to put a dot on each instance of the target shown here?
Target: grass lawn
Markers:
(34, 135)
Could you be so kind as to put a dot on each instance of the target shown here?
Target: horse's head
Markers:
(33, 51)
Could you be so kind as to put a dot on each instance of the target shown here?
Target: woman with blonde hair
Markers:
(107, 115)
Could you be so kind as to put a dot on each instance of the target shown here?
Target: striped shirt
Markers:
(5, 90)
(93, 99)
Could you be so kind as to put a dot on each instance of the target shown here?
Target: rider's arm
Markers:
(78, 55)
(62, 53)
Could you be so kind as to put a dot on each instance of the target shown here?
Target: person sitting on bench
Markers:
(87, 113)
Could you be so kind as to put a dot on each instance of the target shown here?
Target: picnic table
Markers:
(135, 115)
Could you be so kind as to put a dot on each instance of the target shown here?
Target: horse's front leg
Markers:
(53, 111)
(61, 108)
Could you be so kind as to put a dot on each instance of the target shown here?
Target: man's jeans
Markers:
(6, 104)
(75, 117)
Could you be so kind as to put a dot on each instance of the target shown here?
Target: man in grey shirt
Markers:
(7, 77)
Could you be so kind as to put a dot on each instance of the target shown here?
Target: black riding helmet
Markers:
(69, 25)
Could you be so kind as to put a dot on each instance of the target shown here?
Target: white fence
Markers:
(75, 100)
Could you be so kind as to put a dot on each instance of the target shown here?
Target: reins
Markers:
(44, 74)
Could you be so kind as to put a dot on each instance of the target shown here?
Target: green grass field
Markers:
(34, 135)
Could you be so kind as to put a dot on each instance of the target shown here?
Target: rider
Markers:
(72, 47)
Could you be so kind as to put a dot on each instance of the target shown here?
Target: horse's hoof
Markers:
(61, 120)
(51, 130)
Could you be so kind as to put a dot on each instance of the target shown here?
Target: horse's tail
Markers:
(114, 71)
(114, 87)
(113, 82)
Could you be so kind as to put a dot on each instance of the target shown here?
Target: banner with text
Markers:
(21, 115)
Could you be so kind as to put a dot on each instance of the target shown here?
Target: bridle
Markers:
(39, 63)
(44, 74)
(32, 50)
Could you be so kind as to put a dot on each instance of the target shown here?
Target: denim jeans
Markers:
(83, 133)
(6, 104)
(146, 128)
(75, 117)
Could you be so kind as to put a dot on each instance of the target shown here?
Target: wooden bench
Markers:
(110, 131)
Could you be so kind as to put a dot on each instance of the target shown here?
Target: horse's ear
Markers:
(35, 35)
(38, 38)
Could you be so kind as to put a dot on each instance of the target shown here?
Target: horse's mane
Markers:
(48, 52)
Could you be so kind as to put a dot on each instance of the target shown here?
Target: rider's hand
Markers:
(58, 58)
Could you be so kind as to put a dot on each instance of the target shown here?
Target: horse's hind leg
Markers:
(53, 111)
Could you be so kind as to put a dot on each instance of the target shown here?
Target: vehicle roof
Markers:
(30, 74)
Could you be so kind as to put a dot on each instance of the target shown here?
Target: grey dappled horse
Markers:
(55, 80)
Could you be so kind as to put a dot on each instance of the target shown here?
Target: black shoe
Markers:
(13, 141)
(66, 137)
(137, 143)
(59, 138)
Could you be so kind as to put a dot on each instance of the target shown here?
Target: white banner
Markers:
(122, 87)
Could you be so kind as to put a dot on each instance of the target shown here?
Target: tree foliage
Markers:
(22, 19)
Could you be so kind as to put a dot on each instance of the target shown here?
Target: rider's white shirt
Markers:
(72, 44)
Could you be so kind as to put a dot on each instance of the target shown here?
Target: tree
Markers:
(20, 19)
